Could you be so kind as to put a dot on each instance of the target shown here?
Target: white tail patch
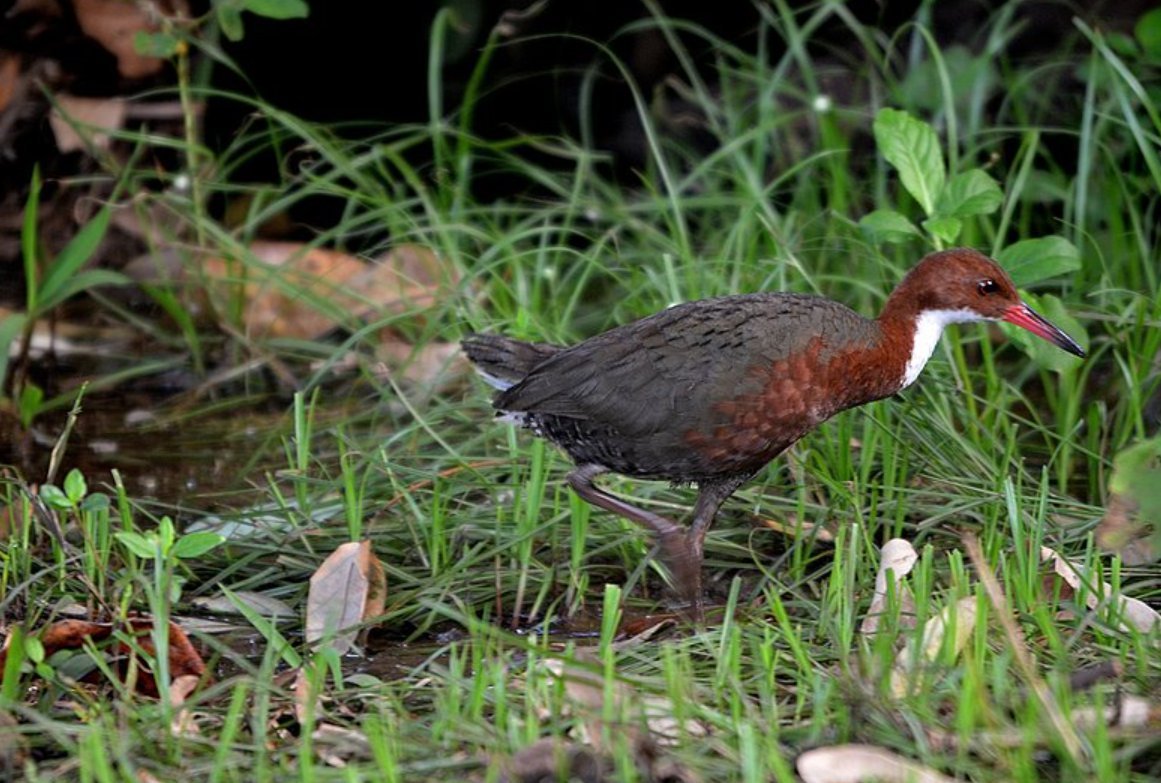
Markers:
(519, 418)
(928, 328)
(494, 381)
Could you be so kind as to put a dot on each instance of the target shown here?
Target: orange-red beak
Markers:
(1025, 317)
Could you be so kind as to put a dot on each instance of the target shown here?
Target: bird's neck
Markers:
(913, 333)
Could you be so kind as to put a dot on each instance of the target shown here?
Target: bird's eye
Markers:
(986, 287)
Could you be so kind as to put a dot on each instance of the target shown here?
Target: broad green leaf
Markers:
(96, 501)
(970, 193)
(71, 258)
(277, 9)
(886, 225)
(196, 544)
(82, 281)
(1132, 522)
(1032, 260)
(75, 486)
(911, 146)
(230, 20)
(10, 328)
(142, 546)
(1043, 353)
(30, 241)
(54, 497)
(945, 229)
(163, 45)
(1148, 32)
(31, 403)
(16, 644)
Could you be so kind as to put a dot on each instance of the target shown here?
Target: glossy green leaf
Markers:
(945, 229)
(140, 545)
(887, 225)
(75, 486)
(157, 44)
(277, 9)
(970, 193)
(196, 544)
(10, 328)
(30, 404)
(911, 146)
(72, 257)
(230, 20)
(1148, 33)
(82, 281)
(54, 497)
(1032, 260)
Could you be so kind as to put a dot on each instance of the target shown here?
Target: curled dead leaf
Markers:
(858, 763)
(961, 617)
(348, 588)
(896, 560)
(72, 635)
(1129, 712)
(114, 24)
(79, 122)
(1136, 614)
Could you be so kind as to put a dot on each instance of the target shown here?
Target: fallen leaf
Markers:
(1129, 712)
(856, 763)
(13, 748)
(265, 605)
(180, 688)
(1136, 613)
(10, 63)
(963, 615)
(304, 292)
(72, 634)
(896, 560)
(97, 118)
(337, 745)
(793, 528)
(114, 24)
(1132, 522)
(348, 588)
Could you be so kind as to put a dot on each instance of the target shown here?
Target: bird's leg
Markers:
(670, 535)
(710, 496)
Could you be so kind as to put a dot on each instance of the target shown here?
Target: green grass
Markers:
(496, 571)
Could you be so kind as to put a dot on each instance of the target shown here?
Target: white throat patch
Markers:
(928, 327)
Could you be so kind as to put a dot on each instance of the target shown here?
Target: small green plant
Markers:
(48, 283)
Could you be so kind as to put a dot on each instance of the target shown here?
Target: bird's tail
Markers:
(502, 361)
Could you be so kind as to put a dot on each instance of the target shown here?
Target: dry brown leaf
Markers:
(113, 24)
(437, 365)
(348, 588)
(337, 745)
(1130, 712)
(1122, 532)
(13, 748)
(791, 528)
(10, 63)
(896, 559)
(265, 605)
(304, 292)
(72, 635)
(179, 690)
(306, 702)
(1136, 613)
(584, 686)
(857, 763)
(102, 116)
(963, 614)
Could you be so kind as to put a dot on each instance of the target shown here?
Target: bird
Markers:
(706, 393)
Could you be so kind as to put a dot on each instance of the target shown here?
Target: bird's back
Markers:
(702, 390)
